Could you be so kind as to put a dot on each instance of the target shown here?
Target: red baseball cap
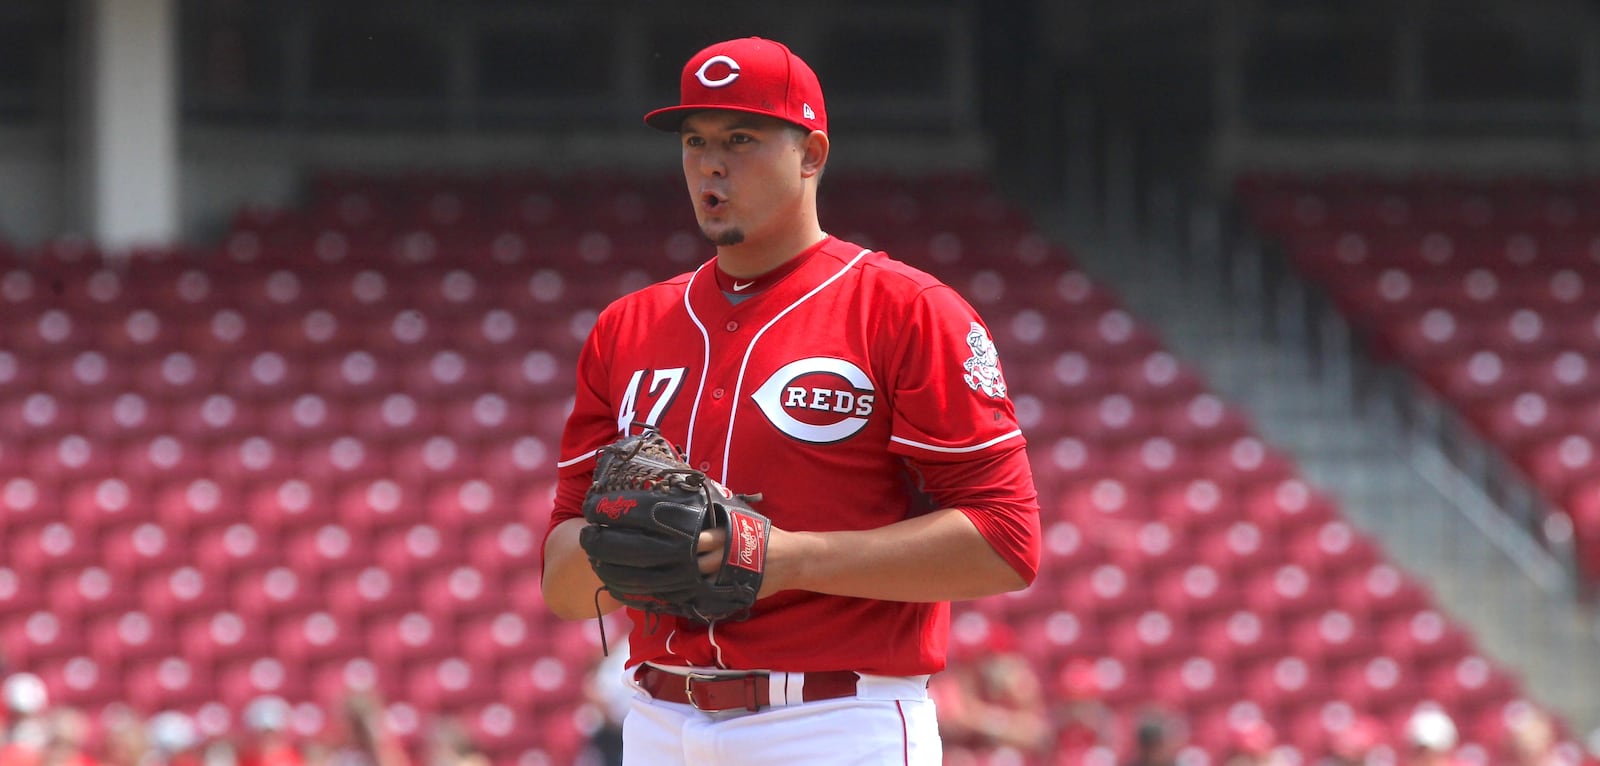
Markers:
(750, 74)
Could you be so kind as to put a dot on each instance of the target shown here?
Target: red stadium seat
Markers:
(166, 684)
(1196, 593)
(130, 550)
(1379, 685)
(416, 548)
(508, 547)
(1285, 681)
(453, 683)
(1282, 506)
(217, 638)
(1423, 638)
(1332, 548)
(80, 681)
(1331, 638)
(81, 595)
(123, 638)
(304, 638)
(1515, 422)
(223, 549)
(1286, 592)
(1425, 338)
(168, 594)
(408, 638)
(498, 637)
(1378, 592)
(356, 375)
(243, 681)
(1193, 683)
(454, 593)
(1238, 549)
(368, 508)
(127, 415)
(1471, 682)
(315, 550)
(1197, 506)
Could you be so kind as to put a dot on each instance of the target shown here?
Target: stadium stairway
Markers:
(1431, 519)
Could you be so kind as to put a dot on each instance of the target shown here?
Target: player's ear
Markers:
(813, 153)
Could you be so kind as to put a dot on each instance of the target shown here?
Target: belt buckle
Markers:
(688, 687)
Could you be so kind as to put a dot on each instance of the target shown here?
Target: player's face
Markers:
(744, 175)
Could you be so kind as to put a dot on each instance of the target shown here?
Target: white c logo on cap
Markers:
(733, 73)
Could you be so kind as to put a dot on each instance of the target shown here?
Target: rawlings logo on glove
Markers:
(646, 510)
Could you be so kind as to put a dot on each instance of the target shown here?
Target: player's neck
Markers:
(754, 258)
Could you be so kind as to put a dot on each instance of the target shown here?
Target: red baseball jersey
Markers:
(851, 393)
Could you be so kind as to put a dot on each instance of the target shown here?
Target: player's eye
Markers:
(693, 141)
(741, 138)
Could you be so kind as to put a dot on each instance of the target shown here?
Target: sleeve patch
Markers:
(983, 367)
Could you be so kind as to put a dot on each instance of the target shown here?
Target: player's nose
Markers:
(711, 163)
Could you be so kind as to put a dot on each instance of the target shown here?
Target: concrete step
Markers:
(1364, 458)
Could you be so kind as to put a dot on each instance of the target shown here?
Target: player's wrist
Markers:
(790, 556)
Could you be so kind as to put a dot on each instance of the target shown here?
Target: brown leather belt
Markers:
(747, 691)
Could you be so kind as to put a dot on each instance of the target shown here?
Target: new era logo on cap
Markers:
(749, 74)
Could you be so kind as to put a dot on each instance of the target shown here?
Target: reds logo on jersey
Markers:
(820, 400)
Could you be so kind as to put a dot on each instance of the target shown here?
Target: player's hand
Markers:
(710, 550)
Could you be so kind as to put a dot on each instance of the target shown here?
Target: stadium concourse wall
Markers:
(221, 171)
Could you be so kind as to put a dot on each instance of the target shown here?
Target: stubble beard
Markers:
(727, 238)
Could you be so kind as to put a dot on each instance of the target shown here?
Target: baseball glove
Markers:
(646, 510)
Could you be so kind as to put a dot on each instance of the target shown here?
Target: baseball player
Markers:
(860, 399)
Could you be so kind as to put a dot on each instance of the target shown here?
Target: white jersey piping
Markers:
(958, 450)
(705, 361)
(738, 386)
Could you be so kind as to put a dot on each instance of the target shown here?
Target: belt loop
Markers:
(750, 698)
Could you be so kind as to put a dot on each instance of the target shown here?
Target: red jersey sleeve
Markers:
(954, 421)
(591, 425)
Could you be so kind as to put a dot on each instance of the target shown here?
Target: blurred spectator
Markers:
(69, 735)
(989, 697)
(1358, 743)
(364, 738)
(1157, 738)
(610, 694)
(1083, 723)
(265, 740)
(1430, 738)
(449, 744)
(27, 729)
(1532, 740)
(125, 743)
(1253, 743)
(173, 740)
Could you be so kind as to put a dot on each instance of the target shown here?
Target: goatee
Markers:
(726, 238)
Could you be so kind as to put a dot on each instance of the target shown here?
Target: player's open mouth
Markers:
(712, 201)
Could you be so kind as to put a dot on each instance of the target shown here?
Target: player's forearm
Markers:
(936, 557)
(569, 582)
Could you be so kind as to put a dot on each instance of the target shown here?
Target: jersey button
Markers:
(716, 393)
(705, 465)
(732, 326)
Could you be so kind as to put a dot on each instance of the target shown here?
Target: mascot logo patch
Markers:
(614, 507)
(983, 368)
(819, 399)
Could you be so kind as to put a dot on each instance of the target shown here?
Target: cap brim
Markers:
(671, 118)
